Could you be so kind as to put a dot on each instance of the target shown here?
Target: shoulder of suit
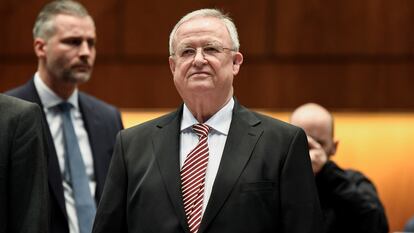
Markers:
(272, 122)
(12, 107)
(95, 102)
(22, 91)
(11, 104)
(155, 123)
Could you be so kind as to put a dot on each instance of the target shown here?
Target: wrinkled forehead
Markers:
(203, 30)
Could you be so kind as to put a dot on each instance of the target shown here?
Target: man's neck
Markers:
(203, 108)
(63, 89)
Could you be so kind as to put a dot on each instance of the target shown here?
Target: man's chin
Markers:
(79, 78)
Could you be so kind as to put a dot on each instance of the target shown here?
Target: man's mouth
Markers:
(83, 68)
(200, 74)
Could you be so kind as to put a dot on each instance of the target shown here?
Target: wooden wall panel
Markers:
(109, 26)
(344, 54)
(130, 85)
(344, 27)
(17, 19)
(337, 86)
(13, 75)
(148, 24)
(278, 86)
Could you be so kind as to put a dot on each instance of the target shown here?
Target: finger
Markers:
(313, 144)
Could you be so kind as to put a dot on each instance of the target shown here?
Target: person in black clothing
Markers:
(349, 200)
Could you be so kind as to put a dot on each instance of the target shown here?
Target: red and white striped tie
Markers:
(193, 175)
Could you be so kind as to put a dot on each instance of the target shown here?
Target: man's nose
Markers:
(84, 49)
(199, 58)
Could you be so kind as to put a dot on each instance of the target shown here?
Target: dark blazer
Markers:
(102, 122)
(350, 202)
(23, 178)
(264, 182)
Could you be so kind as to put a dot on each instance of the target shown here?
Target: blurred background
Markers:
(355, 57)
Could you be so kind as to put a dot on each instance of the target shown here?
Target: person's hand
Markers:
(317, 154)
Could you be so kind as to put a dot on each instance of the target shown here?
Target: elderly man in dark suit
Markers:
(82, 129)
(211, 166)
(23, 179)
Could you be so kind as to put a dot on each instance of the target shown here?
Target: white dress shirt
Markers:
(49, 101)
(220, 125)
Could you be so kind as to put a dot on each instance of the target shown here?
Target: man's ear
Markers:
(39, 45)
(237, 61)
(171, 60)
(334, 147)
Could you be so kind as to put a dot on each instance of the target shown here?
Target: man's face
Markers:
(203, 62)
(320, 130)
(69, 53)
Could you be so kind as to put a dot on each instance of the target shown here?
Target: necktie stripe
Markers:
(191, 190)
(196, 166)
(192, 207)
(196, 177)
(200, 147)
(193, 175)
(194, 159)
(188, 179)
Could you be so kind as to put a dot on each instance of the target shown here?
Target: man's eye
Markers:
(211, 50)
(187, 52)
(91, 43)
(73, 42)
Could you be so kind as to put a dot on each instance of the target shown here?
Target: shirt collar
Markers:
(49, 98)
(219, 122)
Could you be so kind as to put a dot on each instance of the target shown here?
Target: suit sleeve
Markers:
(119, 120)
(111, 212)
(301, 211)
(354, 194)
(28, 179)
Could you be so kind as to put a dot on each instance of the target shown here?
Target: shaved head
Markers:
(314, 114)
(318, 123)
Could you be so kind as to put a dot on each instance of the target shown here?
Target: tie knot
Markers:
(201, 130)
(64, 106)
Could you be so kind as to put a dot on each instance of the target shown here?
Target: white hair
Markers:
(228, 22)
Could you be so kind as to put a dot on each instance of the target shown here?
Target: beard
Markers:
(75, 76)
(71, 74)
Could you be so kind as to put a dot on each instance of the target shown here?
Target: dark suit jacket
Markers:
(264, 183)
(350, 202)
(102, 122)
(23, 178)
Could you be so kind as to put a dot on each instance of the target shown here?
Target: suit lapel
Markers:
(94, 127)
(242, 138)
(54, 174)
(166, 149)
